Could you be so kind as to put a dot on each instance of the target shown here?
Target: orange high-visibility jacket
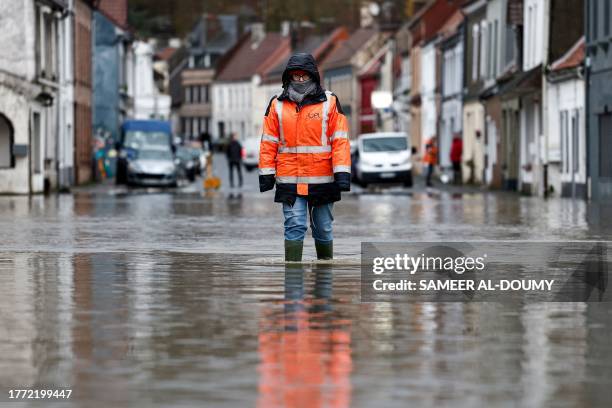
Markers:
(306, 149)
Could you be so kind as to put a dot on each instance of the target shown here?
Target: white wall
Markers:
(428, 89)
(533, 35)
(148, 101)
(17, 38)
(566, 97)
(473, 147)
(232, 105)
(66, 101)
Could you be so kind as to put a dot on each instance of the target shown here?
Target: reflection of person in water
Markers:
(306, 351)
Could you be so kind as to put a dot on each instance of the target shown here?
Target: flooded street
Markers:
(182, 299)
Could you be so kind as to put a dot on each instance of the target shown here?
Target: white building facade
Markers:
(429, 117)
(36, 114)
(532, 152)
(566, 143)
(149, 102)
(452, 91)
(232, 109)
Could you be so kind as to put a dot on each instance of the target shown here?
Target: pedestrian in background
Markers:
(455, 157)
(305, 152)
(234, 159)
(430, 159)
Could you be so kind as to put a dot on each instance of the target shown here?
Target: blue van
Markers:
(138, 138)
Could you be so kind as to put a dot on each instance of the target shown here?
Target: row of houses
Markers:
(522, 83)
(70, 72)
(226, 72)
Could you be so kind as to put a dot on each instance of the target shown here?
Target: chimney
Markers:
(285, 28)
(258, 33)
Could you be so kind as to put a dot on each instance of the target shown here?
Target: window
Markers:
(187, 128)
(575, 141)
(187, 94)
(204, 125)
(203, 94)
(475, 51)
(483, 50)
(564, 142)
(195, 90)
(607, 17)
(195, 127)
(595, 32)
(605, 145)
(494, 53)
(7, 160)
(37, 162)
(46, 43)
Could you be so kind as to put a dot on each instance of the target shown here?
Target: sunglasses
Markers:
(300, 77)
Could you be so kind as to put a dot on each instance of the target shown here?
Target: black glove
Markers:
(343, 181)
(266, 182)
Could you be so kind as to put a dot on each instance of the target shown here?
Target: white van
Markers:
(384, 157)
(250, 157)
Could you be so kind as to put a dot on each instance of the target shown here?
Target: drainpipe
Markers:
(545, 124)
(587, 103)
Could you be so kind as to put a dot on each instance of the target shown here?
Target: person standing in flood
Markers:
(234, 159)
(305, 152)
(430, 159)
(455, 157)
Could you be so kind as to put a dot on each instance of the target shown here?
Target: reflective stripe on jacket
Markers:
(304, 147)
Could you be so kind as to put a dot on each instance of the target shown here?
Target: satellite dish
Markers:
(374, 8)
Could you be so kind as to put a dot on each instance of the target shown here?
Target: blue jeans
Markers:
(296, 221)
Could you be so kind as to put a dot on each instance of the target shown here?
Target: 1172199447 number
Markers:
(40, 394)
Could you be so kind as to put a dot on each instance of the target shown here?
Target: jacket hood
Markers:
(304, 62)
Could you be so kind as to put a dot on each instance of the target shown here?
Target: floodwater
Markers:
(181, 300)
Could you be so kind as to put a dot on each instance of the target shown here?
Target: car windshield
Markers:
(385, 144)
(138, 139)
(183, 153)
(154, 155)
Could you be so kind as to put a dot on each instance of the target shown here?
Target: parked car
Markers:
(250, 157)
(382, 158)
(152, 167)
(139, 135)
(187, 160)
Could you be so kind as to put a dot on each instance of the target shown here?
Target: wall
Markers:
(82, 92)
(232, 106)
(473, 146)
(428, 94)
(599, 96)
(566, 96)
(533, 38)
(106, 77)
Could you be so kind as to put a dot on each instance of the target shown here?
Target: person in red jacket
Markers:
(455, 157)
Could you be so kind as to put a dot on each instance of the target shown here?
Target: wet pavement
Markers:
(180, 298)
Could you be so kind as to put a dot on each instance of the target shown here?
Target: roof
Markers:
(165, 53)
(251, 57)
(573, 58)
(344, 52)
(452, 24)
(435, 15)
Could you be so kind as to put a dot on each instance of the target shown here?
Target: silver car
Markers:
(152, 167)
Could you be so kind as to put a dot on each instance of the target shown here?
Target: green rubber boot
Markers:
(325, 250)
(293, 251)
